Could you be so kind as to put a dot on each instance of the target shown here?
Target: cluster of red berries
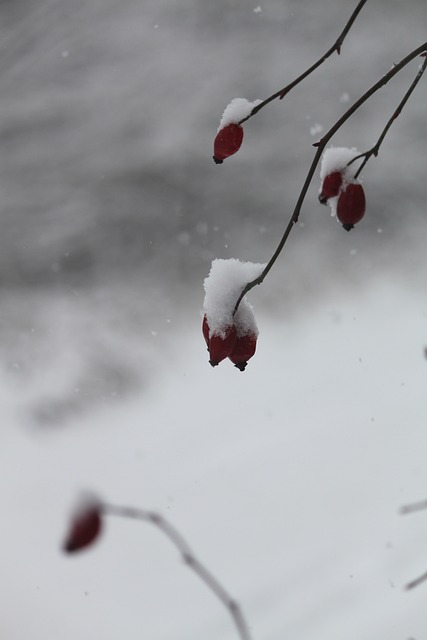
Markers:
(233, 343)
(351, 203)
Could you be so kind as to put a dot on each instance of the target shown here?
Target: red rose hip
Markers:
(351, 205)
(330, 187)
(227, 142)
(243, 350)
(221, 344)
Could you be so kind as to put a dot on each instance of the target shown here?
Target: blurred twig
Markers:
(412, 508)
(415, 506)
(335, 47)
(416, 582)
(375, 149)
(188, 557)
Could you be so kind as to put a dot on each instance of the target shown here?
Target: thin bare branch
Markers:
(336, 47)
(188, 557)
(375, 149)
(321, 144)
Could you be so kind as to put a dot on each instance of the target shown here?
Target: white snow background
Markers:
(286, 480)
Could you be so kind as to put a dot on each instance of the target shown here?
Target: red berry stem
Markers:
(321, 144)
(187, 556)
(336, 47)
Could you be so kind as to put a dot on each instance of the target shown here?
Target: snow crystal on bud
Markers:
(336, 159)
(223, 286)
(237, 110)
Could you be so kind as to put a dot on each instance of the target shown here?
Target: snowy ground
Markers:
(286, 480)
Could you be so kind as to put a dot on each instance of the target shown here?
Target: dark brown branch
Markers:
(320, 148)
(375, 149)
(335, 47)
(188, 557)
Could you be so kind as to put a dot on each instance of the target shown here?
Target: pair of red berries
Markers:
(351, 203)
(239, 348)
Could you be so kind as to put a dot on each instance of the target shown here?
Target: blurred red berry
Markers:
(85, 528)
(227, 142)
(243, 350)
(330, 187)
(351, 205)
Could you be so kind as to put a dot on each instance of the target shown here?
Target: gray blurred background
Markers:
(286, 479)
(112, 208)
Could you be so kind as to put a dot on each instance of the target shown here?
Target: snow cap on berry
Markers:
(85, 524)
(336, 159)
(223, 286)
(236, 110)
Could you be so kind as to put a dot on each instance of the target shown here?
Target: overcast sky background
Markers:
(286, 479)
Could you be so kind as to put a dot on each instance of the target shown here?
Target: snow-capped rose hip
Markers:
(85, 527)
(227, 142)
(351, 205)
(331, 186)
(244, 349)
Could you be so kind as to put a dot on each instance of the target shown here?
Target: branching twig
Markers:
(335, 47)
(412, 508)
(188, 557)
(375, 149)
(320, 148)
